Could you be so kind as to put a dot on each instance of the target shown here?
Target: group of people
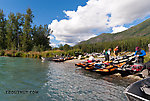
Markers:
(139, 54)
(108, 53)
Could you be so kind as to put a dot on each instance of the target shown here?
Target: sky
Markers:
(73, 21)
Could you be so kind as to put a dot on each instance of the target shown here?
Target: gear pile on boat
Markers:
(125, 65)
(57, 59)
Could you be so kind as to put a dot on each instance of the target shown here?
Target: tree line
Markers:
(124, 45)
(18, 33)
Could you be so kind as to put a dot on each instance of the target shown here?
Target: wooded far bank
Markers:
(18, 33)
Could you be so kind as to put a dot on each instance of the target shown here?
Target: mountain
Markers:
(142, 29)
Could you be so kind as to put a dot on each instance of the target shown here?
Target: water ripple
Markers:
(56, 82)
(65, 83)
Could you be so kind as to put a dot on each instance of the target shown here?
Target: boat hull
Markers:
(134, 93)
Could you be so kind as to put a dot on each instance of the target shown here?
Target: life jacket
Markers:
(139, 52)
(116, 50)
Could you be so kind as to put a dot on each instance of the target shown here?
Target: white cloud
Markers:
(118, 29)
(97, 16)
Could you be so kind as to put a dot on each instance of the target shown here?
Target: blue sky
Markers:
(44, 10)
(82, 19)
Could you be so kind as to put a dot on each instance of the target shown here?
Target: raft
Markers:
(124, 65)
(58, 60)
(90, 66)
(82, 64)
(107, 70)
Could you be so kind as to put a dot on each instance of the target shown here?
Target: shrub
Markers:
(147, 58)
(18, 54)
(8, 54)
(2, 53)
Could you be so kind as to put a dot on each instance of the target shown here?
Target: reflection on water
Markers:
(65, 82)
(56, 82)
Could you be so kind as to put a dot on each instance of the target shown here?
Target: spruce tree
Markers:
(27, 31)
(2, 30)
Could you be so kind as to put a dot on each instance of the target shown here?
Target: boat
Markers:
(107, 70)
(120, 64)
(90, 66)
(129, 67)
(68, 58)
(138, 91)
(86, 65)
(82, 64)
(123, 65)
(47, 59)
(59, 60)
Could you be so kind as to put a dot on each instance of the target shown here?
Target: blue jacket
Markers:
(143, 53)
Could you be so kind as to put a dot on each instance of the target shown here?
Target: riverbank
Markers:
(50, 54)
(32, 54)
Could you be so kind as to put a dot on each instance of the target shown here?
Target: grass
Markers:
(147, 57)
(51, 53)
(31, 54)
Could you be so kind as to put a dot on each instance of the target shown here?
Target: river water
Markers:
(26, 79)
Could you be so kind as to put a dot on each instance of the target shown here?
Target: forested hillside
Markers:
(142, 29)
(127, 40)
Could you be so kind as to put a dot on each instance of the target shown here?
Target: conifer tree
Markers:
(27, 31)
(10, 29)
(2, 30)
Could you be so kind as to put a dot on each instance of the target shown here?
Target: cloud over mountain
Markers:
(118, 29)
(98, 16)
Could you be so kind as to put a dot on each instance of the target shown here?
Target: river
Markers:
(26, 79)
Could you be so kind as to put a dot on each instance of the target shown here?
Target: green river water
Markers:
(26, 79)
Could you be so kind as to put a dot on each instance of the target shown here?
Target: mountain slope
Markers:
(142, 29)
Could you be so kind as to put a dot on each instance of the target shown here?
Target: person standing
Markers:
(103, 52)
(107, 54)
(139, 53)
(116, 51)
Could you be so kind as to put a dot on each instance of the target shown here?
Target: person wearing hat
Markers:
(139, 53)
